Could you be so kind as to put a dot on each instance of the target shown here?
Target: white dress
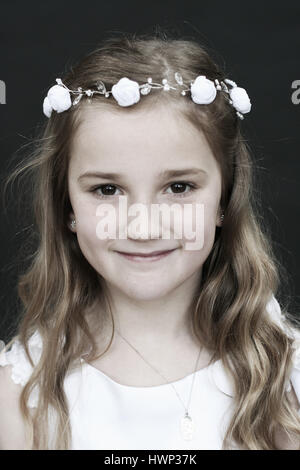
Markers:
(107, 415)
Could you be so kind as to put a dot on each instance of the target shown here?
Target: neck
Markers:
(161, 330)
(164, 321)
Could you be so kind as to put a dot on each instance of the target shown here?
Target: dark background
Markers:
(257, 42)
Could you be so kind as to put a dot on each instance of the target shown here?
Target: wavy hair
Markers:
(59, 288)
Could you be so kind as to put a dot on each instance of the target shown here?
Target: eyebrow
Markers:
(162, 174)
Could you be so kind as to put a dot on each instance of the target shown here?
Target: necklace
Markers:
(187, 425)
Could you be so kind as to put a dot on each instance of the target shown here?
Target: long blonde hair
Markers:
(239, 276)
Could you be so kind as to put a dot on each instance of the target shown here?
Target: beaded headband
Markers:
(127, 92)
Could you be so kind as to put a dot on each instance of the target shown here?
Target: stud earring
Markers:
(73, 223)
(222, 217)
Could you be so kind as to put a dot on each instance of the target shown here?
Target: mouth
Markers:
(146, 257)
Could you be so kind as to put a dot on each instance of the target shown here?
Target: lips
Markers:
(146, 255)
(146, 258)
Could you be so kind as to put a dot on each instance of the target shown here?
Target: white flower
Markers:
(126, 92)
(47, 108)
(58, 99)
(203, 90)
(240, 99)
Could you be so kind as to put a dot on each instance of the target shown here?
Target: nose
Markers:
(144, 222)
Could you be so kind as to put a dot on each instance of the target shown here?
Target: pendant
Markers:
(187, 427)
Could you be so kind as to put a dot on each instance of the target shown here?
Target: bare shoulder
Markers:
(12, 427)
(282, 440)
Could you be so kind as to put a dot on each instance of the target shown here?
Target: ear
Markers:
(71, 217)
(219, 219)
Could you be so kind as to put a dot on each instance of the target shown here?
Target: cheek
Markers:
(86, 228)
(199, 227)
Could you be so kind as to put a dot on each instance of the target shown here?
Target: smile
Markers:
(146, 258)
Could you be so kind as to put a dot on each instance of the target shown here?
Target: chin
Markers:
(144, 292)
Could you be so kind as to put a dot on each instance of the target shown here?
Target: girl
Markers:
(147, 341)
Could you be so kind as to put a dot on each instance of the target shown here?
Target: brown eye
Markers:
(106, 190)
(179, 188)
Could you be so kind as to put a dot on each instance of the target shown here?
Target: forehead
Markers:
(157, 136)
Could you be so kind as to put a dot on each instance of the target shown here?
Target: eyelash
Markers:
(101, 196)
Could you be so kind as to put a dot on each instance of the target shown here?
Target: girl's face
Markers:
(137, 149)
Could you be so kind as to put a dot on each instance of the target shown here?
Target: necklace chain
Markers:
(186, 408)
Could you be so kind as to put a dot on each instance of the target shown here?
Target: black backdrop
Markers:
(258, 42)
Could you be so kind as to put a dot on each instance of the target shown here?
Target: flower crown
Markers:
(127, 92)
